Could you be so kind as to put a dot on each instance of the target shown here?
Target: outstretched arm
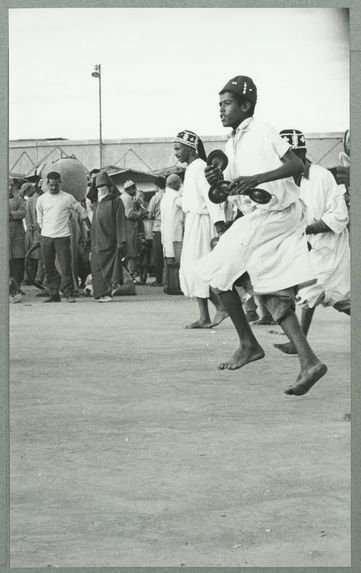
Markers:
(291, 167)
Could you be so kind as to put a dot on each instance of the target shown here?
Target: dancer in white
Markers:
(327, 235)
(203, 221)
(269, 243)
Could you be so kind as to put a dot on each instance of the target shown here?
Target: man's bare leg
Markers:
(249, 349)
(221, 311)
(306, 319)
(312, 369)
(204, 320)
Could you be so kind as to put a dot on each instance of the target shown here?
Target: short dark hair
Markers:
(95, 170)
(53, 175)
(160, 182)
(240, 100)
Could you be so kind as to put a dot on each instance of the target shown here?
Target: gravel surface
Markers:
(129, 448)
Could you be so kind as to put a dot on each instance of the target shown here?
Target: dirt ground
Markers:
(129, 448)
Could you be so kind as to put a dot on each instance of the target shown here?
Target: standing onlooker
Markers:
(171, 217)
(133, 214)
(32, 232)
(139, 199)
(26, 191)
(17, 211)
(154, 209)
(53, 211)
(108, 239)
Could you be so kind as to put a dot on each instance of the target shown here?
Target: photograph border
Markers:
(355, 125)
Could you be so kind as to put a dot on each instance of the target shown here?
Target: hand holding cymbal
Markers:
(219, 192)
(220, 189)
(217, 161)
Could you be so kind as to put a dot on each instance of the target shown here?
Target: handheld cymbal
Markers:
(260, 196)
(219, 191)
(218, 159)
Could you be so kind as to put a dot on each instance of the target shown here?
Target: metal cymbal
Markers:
(219, 192)
(258, 195)
(218, 159)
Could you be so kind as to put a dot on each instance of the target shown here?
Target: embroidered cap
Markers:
(242, 86)
(187, 138)
(295, 138)
(128, 184)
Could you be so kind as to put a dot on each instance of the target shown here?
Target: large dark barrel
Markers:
(73, 176)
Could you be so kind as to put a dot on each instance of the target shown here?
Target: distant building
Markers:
(155, 155)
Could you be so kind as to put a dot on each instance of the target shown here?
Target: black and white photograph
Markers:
(179, 200)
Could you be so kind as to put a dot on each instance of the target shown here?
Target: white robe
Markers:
(199, 230)
(269, 242)
(171, 220)
(330, 253)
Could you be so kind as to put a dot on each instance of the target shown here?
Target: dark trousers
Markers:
(59, 248)
(32, 267)
(158, 256)
(16, 270)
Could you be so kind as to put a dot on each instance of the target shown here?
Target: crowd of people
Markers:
(253, 260)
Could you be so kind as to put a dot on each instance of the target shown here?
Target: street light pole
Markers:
(97, 73)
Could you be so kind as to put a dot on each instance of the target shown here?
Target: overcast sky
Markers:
(162, 69)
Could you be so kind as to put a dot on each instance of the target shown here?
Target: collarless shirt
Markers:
(53, 212)
(256, 147)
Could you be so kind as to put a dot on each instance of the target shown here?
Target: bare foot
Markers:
(306, 379)
(287, 348)
(200, 324)
(242, 357)
(219, 317)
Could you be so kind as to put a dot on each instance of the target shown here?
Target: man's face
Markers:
(181, 152)
(103, 189)
(54, 186)
(231, 112)
(30, 192)
(132, 191)
(13, 188)
(301, 154)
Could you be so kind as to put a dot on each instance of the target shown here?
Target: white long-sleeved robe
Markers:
(269, 242)
(199, 229)
(330, 252)
(171, 220)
